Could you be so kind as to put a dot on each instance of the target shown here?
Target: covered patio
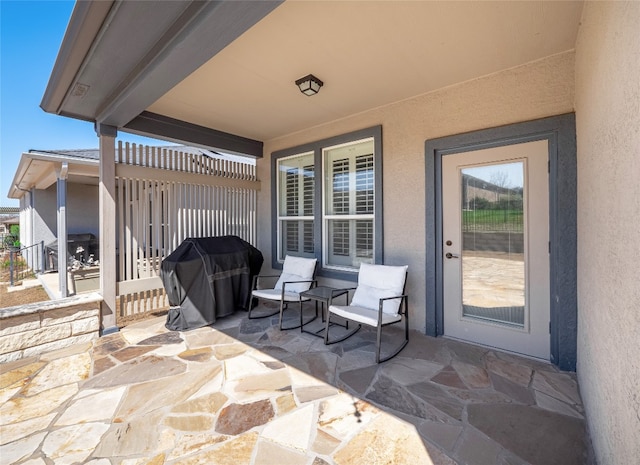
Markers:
(413, 94)
(244, 392)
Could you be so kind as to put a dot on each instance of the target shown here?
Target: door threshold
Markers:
(498, 349)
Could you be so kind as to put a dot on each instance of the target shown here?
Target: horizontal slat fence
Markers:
(165, 196)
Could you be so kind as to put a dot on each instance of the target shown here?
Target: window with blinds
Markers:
(296, 206)
(364, 239)
(292, 194)
(364, 183)
(341, 186)
(340, 238)
(336, 219)
(349, 205)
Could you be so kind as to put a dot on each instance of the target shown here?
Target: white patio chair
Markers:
(379, 300)
(298, 275)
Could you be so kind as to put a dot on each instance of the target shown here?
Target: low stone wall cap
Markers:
(39, 307)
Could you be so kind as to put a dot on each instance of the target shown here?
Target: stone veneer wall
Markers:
(32, 329)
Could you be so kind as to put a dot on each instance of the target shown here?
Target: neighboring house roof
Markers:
(37, 168)
(9, 210)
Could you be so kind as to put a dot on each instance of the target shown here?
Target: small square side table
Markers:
(322, 294)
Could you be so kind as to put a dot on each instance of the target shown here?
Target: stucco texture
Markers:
(535, 90)
(608, 141)
(82, 211)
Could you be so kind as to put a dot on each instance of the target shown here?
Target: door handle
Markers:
(450, 255)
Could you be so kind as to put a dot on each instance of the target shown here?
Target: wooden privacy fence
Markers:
(164, 196)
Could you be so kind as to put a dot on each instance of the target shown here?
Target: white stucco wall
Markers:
(539, 89)
(44, 215)
(82, 211)
(26, 223)
(608, 140)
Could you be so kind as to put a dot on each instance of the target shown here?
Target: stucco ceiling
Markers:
(369, 54)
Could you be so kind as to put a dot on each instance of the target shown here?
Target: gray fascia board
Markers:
(84, 25)
(23, 165)
(177, 54)
(180, 53)
(163, 127)
(61, 158)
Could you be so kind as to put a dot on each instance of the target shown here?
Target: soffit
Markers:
(117, 57)
(368, 54)
(109, 60)
(39, 170)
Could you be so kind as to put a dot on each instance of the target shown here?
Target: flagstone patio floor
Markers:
(244, 392)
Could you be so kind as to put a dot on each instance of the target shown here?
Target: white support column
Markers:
(63, 275)
(107, 208)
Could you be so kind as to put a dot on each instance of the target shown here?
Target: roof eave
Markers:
(23, 165)
(84, 26)
(149, 72)
(15, 192)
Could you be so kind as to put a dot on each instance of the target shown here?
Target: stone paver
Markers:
(244, 392)
(517, 428)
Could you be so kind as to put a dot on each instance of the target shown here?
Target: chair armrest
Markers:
(404, 298)
(257, 277)
(284, 284)
(335, 291)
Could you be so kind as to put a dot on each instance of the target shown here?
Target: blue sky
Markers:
(30, 35)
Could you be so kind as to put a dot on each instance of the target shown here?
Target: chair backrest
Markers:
(378, 281)
(297, 269)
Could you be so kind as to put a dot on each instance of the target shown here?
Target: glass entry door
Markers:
(492, 256)
(496, 261)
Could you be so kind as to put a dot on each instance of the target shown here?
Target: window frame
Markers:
(351, 217)
(318, 148)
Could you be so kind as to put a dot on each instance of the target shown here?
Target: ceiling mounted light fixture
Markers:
(309, 85)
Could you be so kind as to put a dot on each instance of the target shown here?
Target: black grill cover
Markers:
(207, 278)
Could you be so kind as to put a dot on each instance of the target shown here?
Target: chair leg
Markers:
(301, 323)
(399, 348)
(326, 331)
(264, 316)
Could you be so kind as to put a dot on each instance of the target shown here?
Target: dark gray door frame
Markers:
(560, 132)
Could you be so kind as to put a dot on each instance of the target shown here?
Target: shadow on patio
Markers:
(245, 392)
